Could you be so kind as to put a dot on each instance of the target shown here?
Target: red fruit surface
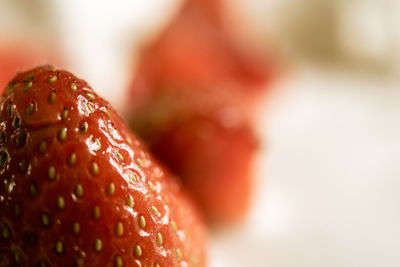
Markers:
(78, 189)
(197, 50)
(193, 100)
(204, 139)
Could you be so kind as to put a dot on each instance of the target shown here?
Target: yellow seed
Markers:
(133, 177)
(156, 265)
(119, 156)
(30, 109)
(16, 122)
(79, 190)
(94, 168)
(42, 147)
(62, 135)
(64, 114)
(107, 113)
(52, 98)
(76, 228)
(72, 159)
(142, 222)
(90, 95)
(110, 189)
(98, 244)
(90, 107)
(33, 189)
(130, 202)
(84, 127)
(173, 226)
(9, 109)
(178, 254)
(3, 158)
(138, 251)
(73, 87)
(96, 212)
(52, 79)
(20, 140)
(5, 232)
(59, 247)
(119, 229)
(159, 239)
(129, 140)
(8, 185)
(17, 257)
(155, 211)
(151, 186)
(118, 261)
(51, 173)
(141, 163)
(60, 203)
(17, 210)
(28, 86)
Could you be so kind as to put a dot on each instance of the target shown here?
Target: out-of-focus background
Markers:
(328, 171)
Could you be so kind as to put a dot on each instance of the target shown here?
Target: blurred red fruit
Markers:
(192, 102)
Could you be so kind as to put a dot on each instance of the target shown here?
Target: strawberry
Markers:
(197, 50)
(192, 101)
(207, 144)
(78, 189)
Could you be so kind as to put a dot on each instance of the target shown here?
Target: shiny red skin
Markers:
(196, 78)
(121, 160)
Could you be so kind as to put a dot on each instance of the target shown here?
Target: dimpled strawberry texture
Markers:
(78, 189)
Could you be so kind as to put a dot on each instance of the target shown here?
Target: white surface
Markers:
(328, 189)
(99, 38)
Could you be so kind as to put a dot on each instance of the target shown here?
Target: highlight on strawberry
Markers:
(78, 189)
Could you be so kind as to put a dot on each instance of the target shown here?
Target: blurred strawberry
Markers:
(203, 138)
(194, 95)
(196, 50)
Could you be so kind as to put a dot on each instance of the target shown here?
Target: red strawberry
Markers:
(208, 144)
(193, 99)
(78, 189)
(197, 50)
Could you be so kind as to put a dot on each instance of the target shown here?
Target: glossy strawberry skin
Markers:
(78, 199)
